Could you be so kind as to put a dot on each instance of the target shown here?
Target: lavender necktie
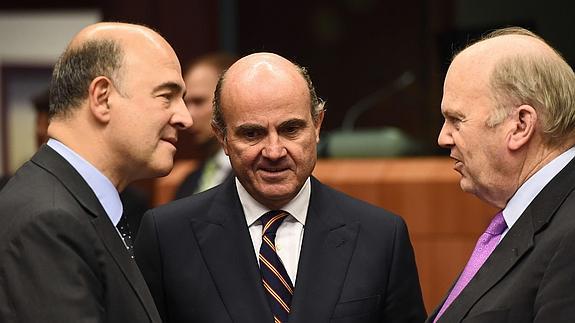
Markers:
(485, 245)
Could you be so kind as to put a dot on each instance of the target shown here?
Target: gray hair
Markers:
(545, 82)
(75, 70)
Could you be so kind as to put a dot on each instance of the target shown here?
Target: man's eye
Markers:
(251, 134)
(291, 131)
(455, 121)
(166, 96)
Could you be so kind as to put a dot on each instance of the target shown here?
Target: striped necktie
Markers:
(275, 279)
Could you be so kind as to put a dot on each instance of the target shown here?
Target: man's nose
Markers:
(274, 147)
(182, 119)
(445, 139)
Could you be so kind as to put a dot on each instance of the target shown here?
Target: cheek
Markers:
(304, 154)
(243, 155)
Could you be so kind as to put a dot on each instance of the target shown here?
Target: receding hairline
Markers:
(256, 66)
(506, 43)
(316, 103)
(122, 34)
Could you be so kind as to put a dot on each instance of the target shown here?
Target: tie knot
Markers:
(497, 225)
(271, 221)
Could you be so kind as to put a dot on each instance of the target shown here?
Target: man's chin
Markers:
(278, 196)
(162, 169)
(466, 186)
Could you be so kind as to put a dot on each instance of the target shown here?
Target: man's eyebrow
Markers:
(249, 126)
(171, 86)
(451, 113)
(293, 123)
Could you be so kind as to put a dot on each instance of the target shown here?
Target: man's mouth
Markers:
(172, 140)
(458, 163)
(273, 169)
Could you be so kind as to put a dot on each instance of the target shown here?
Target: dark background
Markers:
(351, 47)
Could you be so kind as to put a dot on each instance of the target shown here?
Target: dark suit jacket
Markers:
(61, 259)
(530, 276)
(356, 262)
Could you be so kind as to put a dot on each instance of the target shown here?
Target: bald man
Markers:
(509, 108)
(65, 251)
(273, 244)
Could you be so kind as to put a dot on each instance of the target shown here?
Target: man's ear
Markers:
(98, 95)
(317, 124)
(221, 137)
(524, 124)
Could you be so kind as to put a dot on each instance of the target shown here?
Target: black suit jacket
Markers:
(356, 262)
(530, 276)
(61, 258)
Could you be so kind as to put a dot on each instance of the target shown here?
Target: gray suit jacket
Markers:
(61, 258)
(356, 262)
(530, 276)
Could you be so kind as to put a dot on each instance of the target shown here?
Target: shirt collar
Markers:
(105, 191)
(533, 186)
(297, 207)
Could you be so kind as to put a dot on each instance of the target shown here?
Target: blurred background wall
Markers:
(353, 48)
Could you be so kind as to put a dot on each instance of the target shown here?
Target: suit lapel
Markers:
(516, 244)
(328, 244)
(51, 161)
(227, 249)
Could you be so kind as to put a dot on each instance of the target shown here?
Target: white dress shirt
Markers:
(289, 236)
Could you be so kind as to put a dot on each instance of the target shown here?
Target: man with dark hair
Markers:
(65, 249)
(233, 253)
(509, 108)
(201, 78)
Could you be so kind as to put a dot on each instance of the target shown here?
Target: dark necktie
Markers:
(275, 279)
(124, 230)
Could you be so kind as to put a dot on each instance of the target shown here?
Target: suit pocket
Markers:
(357, 310)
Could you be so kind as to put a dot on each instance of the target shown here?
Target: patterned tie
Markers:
(275, 279)
(124, 230)
(484, 247)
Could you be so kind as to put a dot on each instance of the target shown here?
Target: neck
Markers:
(89, 146)
(526, 165)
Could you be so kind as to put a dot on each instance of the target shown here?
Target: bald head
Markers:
(267, 66)
(260, 76)
(520, 68)
(100, 49)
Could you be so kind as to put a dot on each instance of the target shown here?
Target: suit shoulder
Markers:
(352, 206)
(189, 206)
(32, 190)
